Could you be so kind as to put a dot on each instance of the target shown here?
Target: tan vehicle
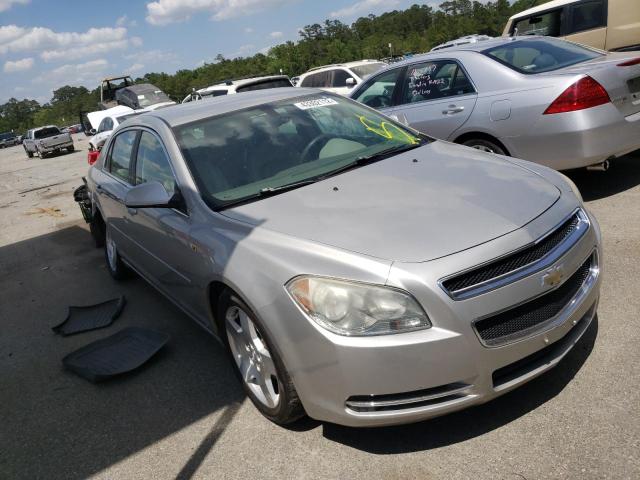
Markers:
(604, 24)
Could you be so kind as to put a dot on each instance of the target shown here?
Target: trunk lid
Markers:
(451, 199)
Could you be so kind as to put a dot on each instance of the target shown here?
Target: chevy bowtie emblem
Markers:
(553, 276)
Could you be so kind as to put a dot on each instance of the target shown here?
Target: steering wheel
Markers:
(313, 144)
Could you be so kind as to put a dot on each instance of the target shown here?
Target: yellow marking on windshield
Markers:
(387, 130)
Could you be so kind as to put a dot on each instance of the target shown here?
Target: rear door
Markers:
(436, 97)
(112, 186)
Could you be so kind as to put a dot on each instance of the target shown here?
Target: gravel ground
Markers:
(184, 414)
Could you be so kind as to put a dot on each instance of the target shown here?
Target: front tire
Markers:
(71, 149)
(485, 145)
(28, 152)
(263, 376)
(115, 265)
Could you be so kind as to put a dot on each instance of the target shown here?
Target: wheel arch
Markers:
(483, 136)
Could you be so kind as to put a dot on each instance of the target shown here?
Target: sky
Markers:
(45, 44)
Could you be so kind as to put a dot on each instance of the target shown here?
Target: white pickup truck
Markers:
(46, 140)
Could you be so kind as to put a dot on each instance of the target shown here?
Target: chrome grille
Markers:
(529, 317)
(505, 270)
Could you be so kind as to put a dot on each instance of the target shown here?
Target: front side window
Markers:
(340, 78)
(152, 163)
(247, 154)
(548, 23)
(587, 15)
(120, 158)
(540, 55)
(378, 92)
(434, 80)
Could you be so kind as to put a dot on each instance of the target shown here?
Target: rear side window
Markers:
(540, 55)
(587, 15)
(548, 23)
(318, 80)
(120, 158)
(152, 163)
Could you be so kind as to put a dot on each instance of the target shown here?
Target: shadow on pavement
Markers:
(623, 175)
(57, 425)
(466, 424)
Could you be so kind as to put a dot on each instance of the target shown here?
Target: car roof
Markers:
(468, 47)
(542, 8)
(193, 111)
(356, 63)
(240, 82)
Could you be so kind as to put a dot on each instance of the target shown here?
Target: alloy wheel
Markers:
(252, 357)
(111, 251)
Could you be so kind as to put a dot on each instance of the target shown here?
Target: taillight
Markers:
(585, 93)
(629, 63)
(92, 156)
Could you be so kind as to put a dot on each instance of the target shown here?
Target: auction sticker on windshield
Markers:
(318, 102)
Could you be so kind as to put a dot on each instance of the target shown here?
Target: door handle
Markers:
(452, 109)
(132, 211)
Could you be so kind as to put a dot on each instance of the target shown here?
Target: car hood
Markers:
(417, 206)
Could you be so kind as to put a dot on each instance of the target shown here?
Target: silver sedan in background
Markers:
(355, 269)
(541, 99)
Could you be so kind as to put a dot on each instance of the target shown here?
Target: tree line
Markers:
(413, 30)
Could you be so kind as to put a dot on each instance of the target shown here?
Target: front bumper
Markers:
(578, 139)
(394, 379)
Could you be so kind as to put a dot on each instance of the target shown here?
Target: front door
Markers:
(164, 252)
(437, 98)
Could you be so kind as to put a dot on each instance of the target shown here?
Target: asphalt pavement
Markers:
(184, 414)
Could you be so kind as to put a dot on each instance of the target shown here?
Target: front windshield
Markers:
(240, 155)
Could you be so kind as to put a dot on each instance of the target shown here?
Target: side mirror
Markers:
(92, 131)
(350, 82)
(148, 195)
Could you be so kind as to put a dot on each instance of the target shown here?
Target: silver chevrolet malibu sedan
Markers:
(541, 99)
(356, 270)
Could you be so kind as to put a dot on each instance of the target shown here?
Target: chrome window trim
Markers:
(550, 323)
(526, 270)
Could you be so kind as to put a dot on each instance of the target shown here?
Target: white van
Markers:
(603, 24)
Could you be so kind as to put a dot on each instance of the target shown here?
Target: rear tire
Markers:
(485, 145)
(257, 364)
(115, 265)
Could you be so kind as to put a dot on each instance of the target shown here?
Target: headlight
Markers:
(357, 309)
(573, 187)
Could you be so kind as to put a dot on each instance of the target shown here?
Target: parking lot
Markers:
(184, 414)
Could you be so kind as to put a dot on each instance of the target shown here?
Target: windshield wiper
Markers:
(267, 192)
(367, 159)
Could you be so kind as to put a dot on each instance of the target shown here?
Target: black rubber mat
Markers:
(82, 319)
(120, 353)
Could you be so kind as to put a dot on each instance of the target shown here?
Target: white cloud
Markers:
(150, 57)
(275, 34)
(163, 12)
(18, 65)
(136, 67)
(64, 45)
(248, 30)
(363, 7)
(125, 21)
(243, 50)
(7, 4)
(88, 73)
